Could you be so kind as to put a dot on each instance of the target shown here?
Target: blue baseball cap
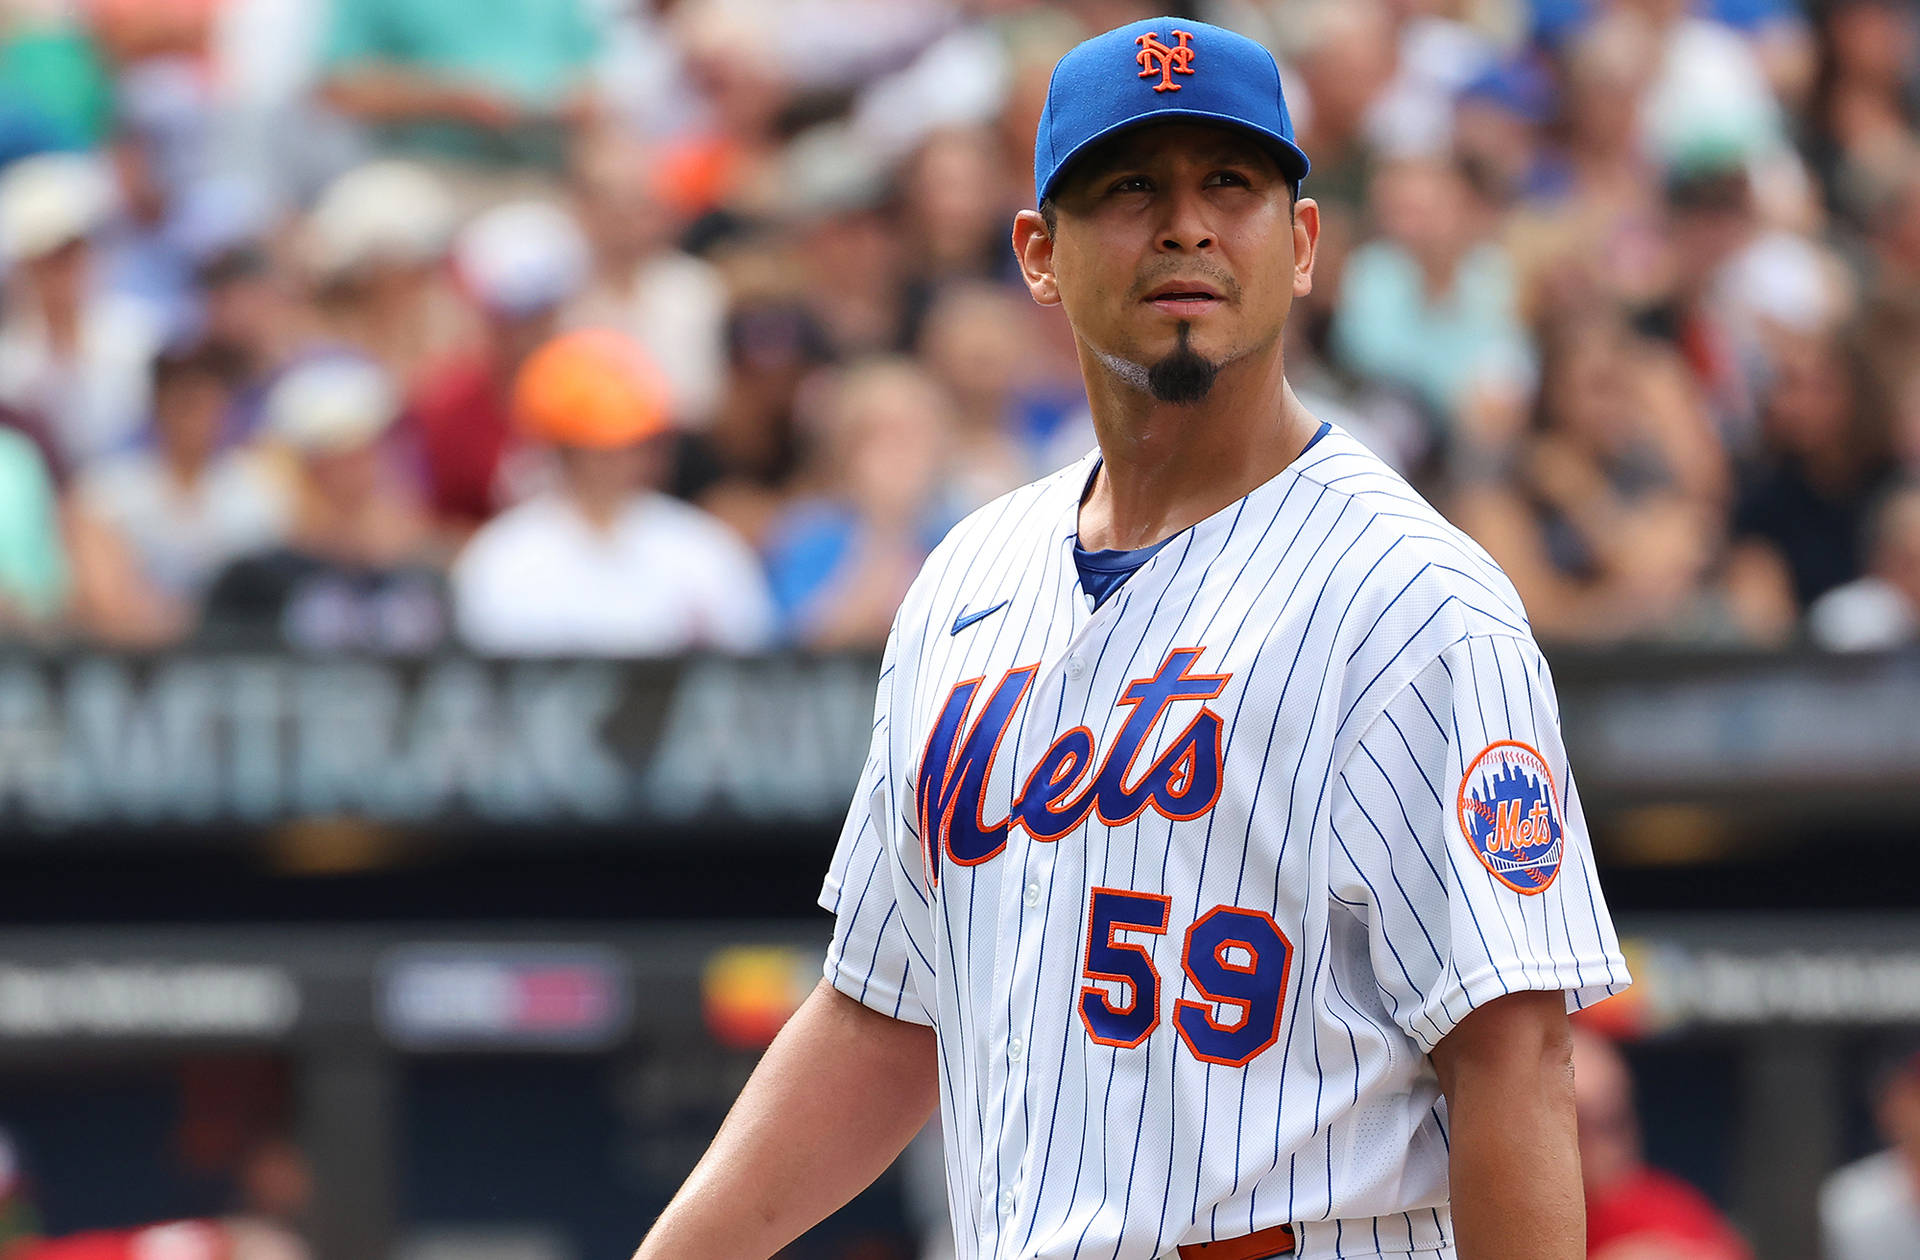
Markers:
(1159, 69)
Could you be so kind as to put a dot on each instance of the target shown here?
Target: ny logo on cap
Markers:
(1156, 58)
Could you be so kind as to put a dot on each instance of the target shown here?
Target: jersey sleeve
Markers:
(872, 959)
(1459, 840)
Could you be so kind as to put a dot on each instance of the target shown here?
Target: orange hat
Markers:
(594, 388)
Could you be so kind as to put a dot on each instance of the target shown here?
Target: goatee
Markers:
(1183, 377)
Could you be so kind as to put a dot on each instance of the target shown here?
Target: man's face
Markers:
(1176, 252)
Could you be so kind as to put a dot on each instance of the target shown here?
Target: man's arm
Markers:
(840, 1093)
(1514, 1163)
(381, 93)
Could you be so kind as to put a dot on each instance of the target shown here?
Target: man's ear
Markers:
(1306, 244)
(1033, 246)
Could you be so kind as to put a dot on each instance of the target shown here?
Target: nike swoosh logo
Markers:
(966, 619)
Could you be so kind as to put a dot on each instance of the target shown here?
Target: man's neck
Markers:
(1166, 467)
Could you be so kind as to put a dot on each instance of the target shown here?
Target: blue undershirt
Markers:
(1104, 572)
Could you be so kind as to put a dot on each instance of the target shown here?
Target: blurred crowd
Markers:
(608, 326)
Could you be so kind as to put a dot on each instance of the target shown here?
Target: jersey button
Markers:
(1016, 1048)
(1032, 895)
(1006, 1201)
(1076, 666)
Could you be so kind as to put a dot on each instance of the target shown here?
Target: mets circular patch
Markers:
(1511, 815)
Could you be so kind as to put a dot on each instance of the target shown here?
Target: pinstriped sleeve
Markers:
(871, 958)
(1459, 839)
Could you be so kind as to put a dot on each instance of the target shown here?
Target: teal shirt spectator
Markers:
(533, 53)
(55, 91)
(33, 567)
(1389, 328)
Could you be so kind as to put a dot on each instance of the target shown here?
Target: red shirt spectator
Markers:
(1648, 1204)
(181, 1240)
(1635, 1212)
(460, 412)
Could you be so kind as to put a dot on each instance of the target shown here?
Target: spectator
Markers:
(1870, 1210)
(1608, 519)
(252, 317)
(731, 163)
(519, 262)
(605, 564)
(672, 303)
(19, 1218)
(69, 351)
(1431, 306)
(1347, 57)
(276, 1197)
(33, 562)
(773, 344)
(436, 80)
(1863, 109)
(1599, 236)
(1881, 609)
(956, 206)
(356, 572)
(374, 244)
(175, 1240)
(1708, 95)
(850, 266)
(172, 516)
(56, 91)
(1803, 510)
(1011, 423)
(1634, 1211)
(160, 154)
(840, 558)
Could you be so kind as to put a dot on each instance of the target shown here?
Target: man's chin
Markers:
(1184, 377)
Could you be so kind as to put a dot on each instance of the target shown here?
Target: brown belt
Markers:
(1268, 1243)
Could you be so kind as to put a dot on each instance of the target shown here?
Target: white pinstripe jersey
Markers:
(1189, 884)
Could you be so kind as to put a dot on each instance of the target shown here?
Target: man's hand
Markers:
(840, 1093)
(1514, 1163)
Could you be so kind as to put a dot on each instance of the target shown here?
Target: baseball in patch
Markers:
(1511, 816)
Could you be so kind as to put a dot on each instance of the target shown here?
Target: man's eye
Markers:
(1228, 177)
(1132, 183)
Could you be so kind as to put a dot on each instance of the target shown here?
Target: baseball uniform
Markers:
(1189, 882)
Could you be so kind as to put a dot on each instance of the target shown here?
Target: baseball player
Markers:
(1216, 865)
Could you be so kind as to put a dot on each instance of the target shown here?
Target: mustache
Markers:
(1228, 287)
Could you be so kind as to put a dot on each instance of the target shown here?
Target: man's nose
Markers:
(1185, 226)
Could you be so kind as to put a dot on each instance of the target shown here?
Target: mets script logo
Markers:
(1156, 58)
(1064, 789)
(1511, 816)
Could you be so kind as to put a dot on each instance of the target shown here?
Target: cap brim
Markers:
(1293, 161)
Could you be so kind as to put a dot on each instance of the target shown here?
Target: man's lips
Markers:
(1184, 297)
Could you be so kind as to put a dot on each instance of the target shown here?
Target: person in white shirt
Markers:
(1880, 610)
(71, 349)
(604, 564)
(1870, 1210)
(182, 509)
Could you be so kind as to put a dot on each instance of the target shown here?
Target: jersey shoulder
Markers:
(1406, 557)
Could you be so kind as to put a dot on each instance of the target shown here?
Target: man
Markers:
(159, 523)
(358, 570)
(605, 564)
(1216, 862)
(518, 262)
(1871, 1208)
(71, 351)
(1881, 610)
(438, 81)
(1634, 1210)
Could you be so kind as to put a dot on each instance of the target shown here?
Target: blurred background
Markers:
(459, 459)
